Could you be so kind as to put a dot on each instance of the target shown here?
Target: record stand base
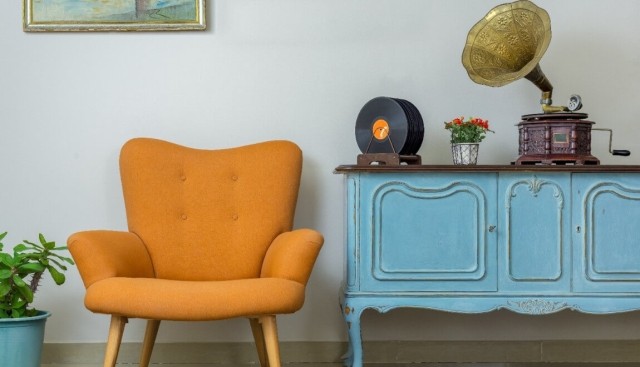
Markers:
(388, 159)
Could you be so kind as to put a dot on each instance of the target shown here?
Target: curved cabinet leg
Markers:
(353, 357)
(347, 358)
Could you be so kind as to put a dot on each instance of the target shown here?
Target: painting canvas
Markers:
(118, 15)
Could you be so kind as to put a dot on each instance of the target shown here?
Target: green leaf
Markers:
(45, 243)
(7, 260)
(58, 264)
(15, 314)
(19, 282)
(35, 246)
(5, 287)
(19, 248)
(31, 268)
(3, 235)
(20, 303)
(32, 256)
(65, 259)
(5, 273)
(57, 276)
(26, 293)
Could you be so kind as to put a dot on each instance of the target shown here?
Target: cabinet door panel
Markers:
(606, 225)
(428, 232)
(533, 242)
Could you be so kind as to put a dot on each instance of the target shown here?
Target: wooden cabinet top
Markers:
(486, 168)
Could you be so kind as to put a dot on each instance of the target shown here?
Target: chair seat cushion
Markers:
(162, 299)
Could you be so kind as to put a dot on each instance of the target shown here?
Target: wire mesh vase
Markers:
(465, 153)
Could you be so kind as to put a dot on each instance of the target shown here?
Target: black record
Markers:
(416, 126)
(389, 125)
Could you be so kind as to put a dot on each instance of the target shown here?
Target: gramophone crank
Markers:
(507, 45)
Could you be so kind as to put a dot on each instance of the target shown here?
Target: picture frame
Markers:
(113, 15)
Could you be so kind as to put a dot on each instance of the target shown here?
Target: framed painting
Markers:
(113, 15)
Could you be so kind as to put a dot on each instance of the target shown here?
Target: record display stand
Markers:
(389, 131)
(388, 159)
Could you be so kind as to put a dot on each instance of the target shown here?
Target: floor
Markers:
(375, 365)
(380, 354)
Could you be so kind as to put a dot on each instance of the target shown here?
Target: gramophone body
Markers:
(507, 45)
(555, 138)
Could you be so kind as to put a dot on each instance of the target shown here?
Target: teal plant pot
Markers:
(21, 340)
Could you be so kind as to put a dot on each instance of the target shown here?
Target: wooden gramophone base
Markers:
(555, 138)
(559, 159)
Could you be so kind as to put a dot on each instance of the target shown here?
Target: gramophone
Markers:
(508, 44)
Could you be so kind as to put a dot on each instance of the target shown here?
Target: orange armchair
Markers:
(210, 237)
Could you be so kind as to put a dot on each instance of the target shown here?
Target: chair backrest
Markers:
(209, 214)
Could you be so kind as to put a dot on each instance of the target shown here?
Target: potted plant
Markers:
(22, 326)
(466, 137)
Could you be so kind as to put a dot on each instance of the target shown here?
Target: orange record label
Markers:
(380, 129)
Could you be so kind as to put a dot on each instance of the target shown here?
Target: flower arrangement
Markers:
(473, 130)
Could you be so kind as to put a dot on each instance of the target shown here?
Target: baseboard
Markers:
(395, 352)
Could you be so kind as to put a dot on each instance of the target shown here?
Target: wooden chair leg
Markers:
(149, 340)
(258, 337)
(270, 331)
(116, 329)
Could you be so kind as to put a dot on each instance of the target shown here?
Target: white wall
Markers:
(298, 70)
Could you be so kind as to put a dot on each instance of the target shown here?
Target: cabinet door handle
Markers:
(492, 228)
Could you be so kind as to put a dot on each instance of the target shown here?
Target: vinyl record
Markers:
(416, 126)
(389, 125)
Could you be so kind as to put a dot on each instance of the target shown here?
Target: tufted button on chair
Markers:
(210, 237)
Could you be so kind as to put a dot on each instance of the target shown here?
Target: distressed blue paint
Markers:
(534, 229)
(609, 212)
(472, 242)
(428, 234)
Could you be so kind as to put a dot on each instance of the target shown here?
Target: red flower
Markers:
(473, 130)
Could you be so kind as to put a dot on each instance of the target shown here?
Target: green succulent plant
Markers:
(21, 271)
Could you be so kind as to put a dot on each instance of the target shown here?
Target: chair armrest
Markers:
(292, 255)
(107, 254)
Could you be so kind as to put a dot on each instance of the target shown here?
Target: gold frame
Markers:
(30, 25)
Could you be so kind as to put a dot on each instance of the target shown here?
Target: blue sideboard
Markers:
(474, 239)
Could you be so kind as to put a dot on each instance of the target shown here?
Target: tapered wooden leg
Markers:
(115, 338)
(258, 336)
(149, 340)
(270, 331)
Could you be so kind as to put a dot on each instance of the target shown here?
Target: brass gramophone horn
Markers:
(507, 44)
